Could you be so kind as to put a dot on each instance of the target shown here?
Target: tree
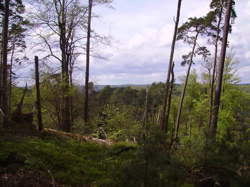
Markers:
(17, 44)
(168, 91)
(89, 31)
(38, 97)
(86, 104)
(189, 33)
(221, 69)
(63, 19)
(4, 88)
(16, 28)
(216, 16)
(61, 26)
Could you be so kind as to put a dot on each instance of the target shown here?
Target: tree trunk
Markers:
(38, 98)
(5, 33)
(65, 112)
(167, 98)
(10, 76)
(71, 97)
(145, 115)
(71, 62)
(214, 122)
(214, 67)
(86, 104)
(177, 123)
(170, 94)
(1, 76)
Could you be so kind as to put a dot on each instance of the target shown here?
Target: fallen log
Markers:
(77, 137)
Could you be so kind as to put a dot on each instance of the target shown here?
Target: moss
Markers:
(67, 161)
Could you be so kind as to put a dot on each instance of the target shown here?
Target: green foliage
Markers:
(69, 162)
(29, 100)
(117, 123)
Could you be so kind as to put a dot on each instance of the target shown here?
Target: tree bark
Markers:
(71, 61)
(214, 67)
(38, 98)
(145, 115)
(10, 76)
(71, 97)
(177, 123)
(5, 33)
(65, 112)
(167, 98)
(170, 94)
(86, 104)
(214, 122)
(1, 76)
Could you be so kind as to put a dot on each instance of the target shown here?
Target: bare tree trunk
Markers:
(177, 123)
(145, 115)
(5, 33)
(167, 98)
(86, 104)
(10, 76)
(170, 94)
(71, 97)
(71, 62)
(1, 75)
(66, 112)
(66, 125)
(214, 67)
(214, 122)
(38, 98)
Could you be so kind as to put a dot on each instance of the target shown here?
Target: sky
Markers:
(141, 32)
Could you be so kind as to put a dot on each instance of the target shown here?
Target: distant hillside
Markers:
(243, 86)
(135, 86)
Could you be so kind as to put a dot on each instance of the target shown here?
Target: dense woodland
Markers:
(193, 133)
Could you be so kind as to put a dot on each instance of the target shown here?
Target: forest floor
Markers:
(54, 158)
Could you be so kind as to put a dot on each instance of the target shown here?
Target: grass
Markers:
(64, 160)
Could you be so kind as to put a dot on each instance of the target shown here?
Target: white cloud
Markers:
(142, 32)
(145, 31)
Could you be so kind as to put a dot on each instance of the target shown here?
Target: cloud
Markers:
(240, 40)
(144, 31)
(141, 34)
